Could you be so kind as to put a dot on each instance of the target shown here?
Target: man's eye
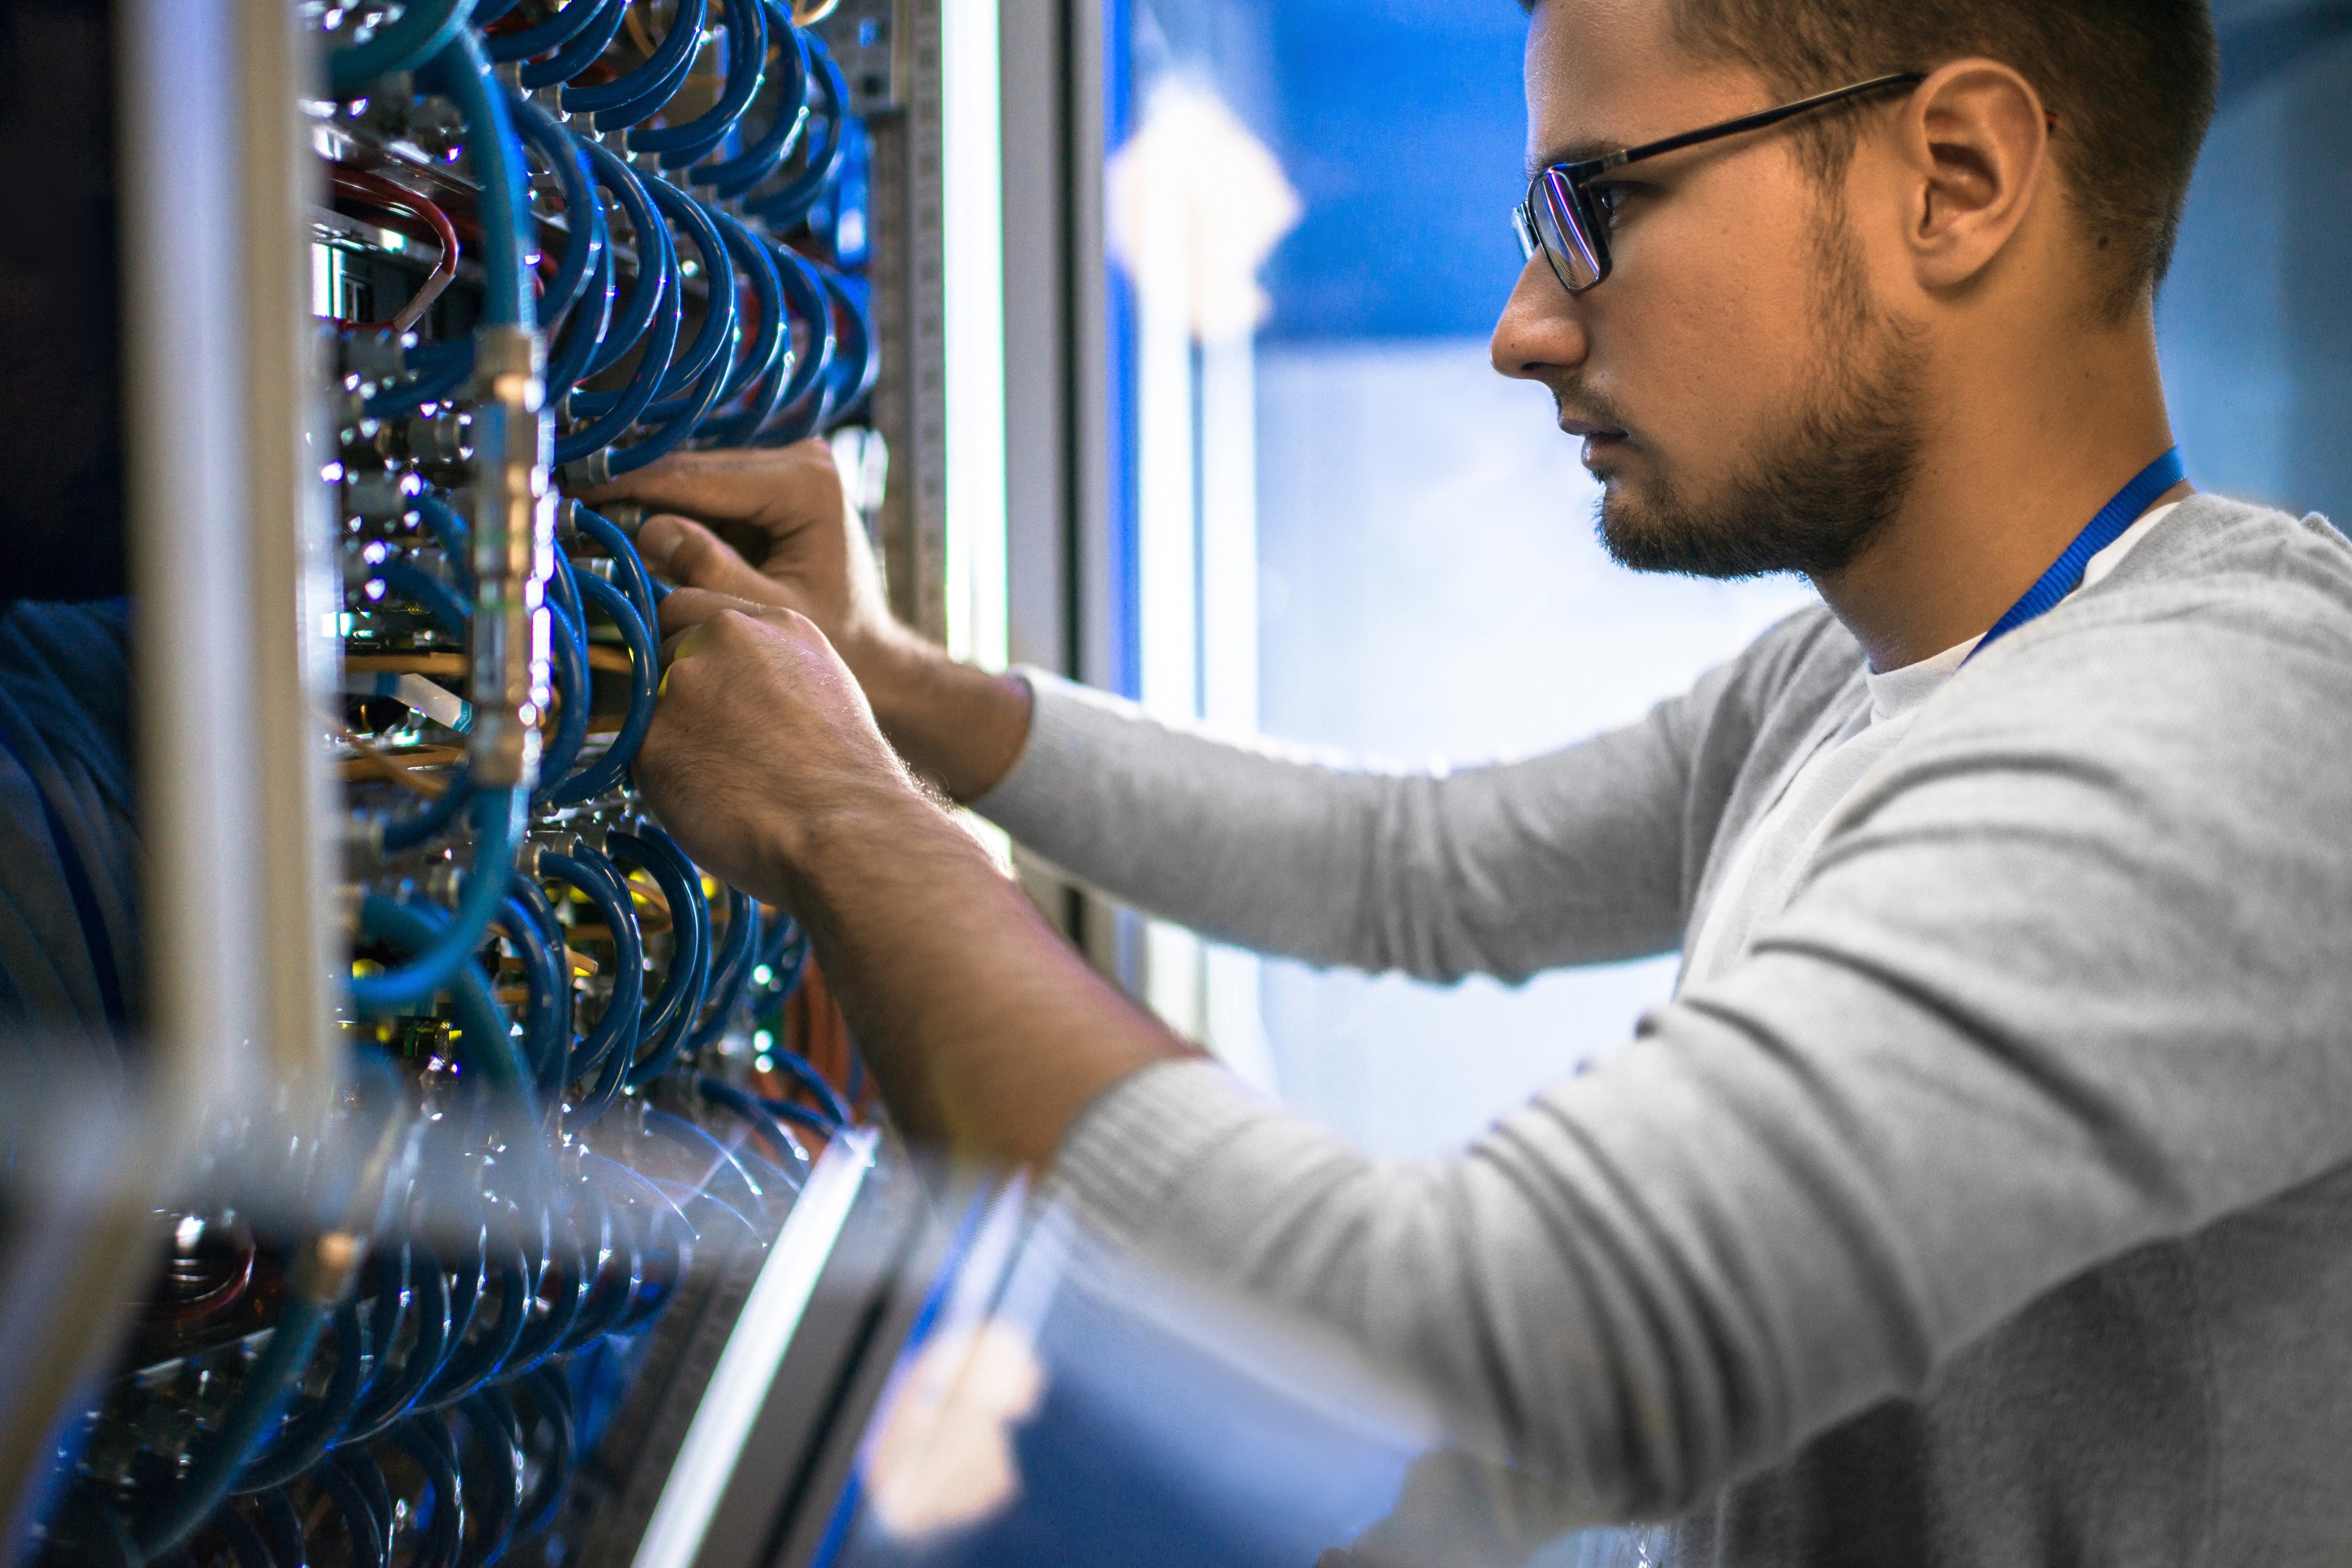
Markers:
(1608, 200)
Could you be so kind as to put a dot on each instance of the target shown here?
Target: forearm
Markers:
(956, 724)
(986, 1032)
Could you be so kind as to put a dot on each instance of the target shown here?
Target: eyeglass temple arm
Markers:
(1748, 123)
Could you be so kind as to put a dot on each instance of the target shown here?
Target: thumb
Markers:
(692, 556)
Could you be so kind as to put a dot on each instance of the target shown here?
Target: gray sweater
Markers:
(1996, 1207)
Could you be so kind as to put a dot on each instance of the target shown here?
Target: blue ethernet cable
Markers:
(550, 1396)
(792, 377)
(725, 1171)
(421, 32)
(367, 1529)
(476, 1359)
(798, 1069)
(659, 288)
(656, 260)
(763, 350)
(547, 980)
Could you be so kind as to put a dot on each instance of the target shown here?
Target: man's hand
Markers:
(986, 1032)
(761, 738)
(787, 510)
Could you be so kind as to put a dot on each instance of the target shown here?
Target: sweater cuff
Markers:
(1140, 1139)
(1071, 728)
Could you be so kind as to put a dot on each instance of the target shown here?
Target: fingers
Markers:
(692, 556)
(744, 484)
(687, 608)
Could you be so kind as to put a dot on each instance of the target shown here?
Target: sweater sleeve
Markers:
(1587, 855)
(2068, 978)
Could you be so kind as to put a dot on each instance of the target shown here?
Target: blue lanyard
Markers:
(2065, 575)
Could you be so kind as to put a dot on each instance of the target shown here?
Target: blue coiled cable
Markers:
(269, 1384)
(637, 581)
(498, 826)
(656, 261)
(765, 152)
(582, 51)
(389, 1400)
(784, 207)
(645, 677)
(581, 215)
(583, 331)
(421, 588)
(751, 1109)
(616, 1031)
(436, 371)
(537, 39)
(747, 67)
(547, 980)
(456, 539)
(763, 350)
(675, 1006)
(442, 1542)
(367, 1529)
(790, 380)
(305, 1435)
(730, 972)
(635, 94)
(569, 651)
(656, 294)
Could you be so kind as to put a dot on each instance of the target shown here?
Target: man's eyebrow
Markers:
(1572, 152)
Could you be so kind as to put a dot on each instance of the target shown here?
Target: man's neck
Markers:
(2007, 479)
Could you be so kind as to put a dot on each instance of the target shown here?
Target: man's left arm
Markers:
(2068, 980)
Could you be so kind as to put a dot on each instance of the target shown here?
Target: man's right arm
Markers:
(1584, 855)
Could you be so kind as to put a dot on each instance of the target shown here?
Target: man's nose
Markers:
(1541, 333)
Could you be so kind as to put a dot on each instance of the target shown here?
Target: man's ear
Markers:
(1975, 146)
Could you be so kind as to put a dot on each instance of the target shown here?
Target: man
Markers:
(1983, 1195)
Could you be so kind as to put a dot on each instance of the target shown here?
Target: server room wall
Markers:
(550, 243)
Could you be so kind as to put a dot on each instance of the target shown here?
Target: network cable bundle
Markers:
(568, 236)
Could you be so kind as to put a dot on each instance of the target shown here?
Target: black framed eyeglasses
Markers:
(1561, 217)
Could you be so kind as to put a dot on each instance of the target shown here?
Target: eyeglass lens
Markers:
(1560, 224)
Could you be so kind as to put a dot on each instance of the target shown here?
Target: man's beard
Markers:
(1825, 485)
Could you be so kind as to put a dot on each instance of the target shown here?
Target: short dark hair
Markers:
(2132, 82)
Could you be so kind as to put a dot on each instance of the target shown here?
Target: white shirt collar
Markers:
(1901, 691)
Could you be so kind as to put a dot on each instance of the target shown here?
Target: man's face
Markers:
(1743, 403)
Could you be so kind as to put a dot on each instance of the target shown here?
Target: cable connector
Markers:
(513, 552)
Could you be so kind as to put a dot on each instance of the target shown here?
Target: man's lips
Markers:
(1598, 439)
